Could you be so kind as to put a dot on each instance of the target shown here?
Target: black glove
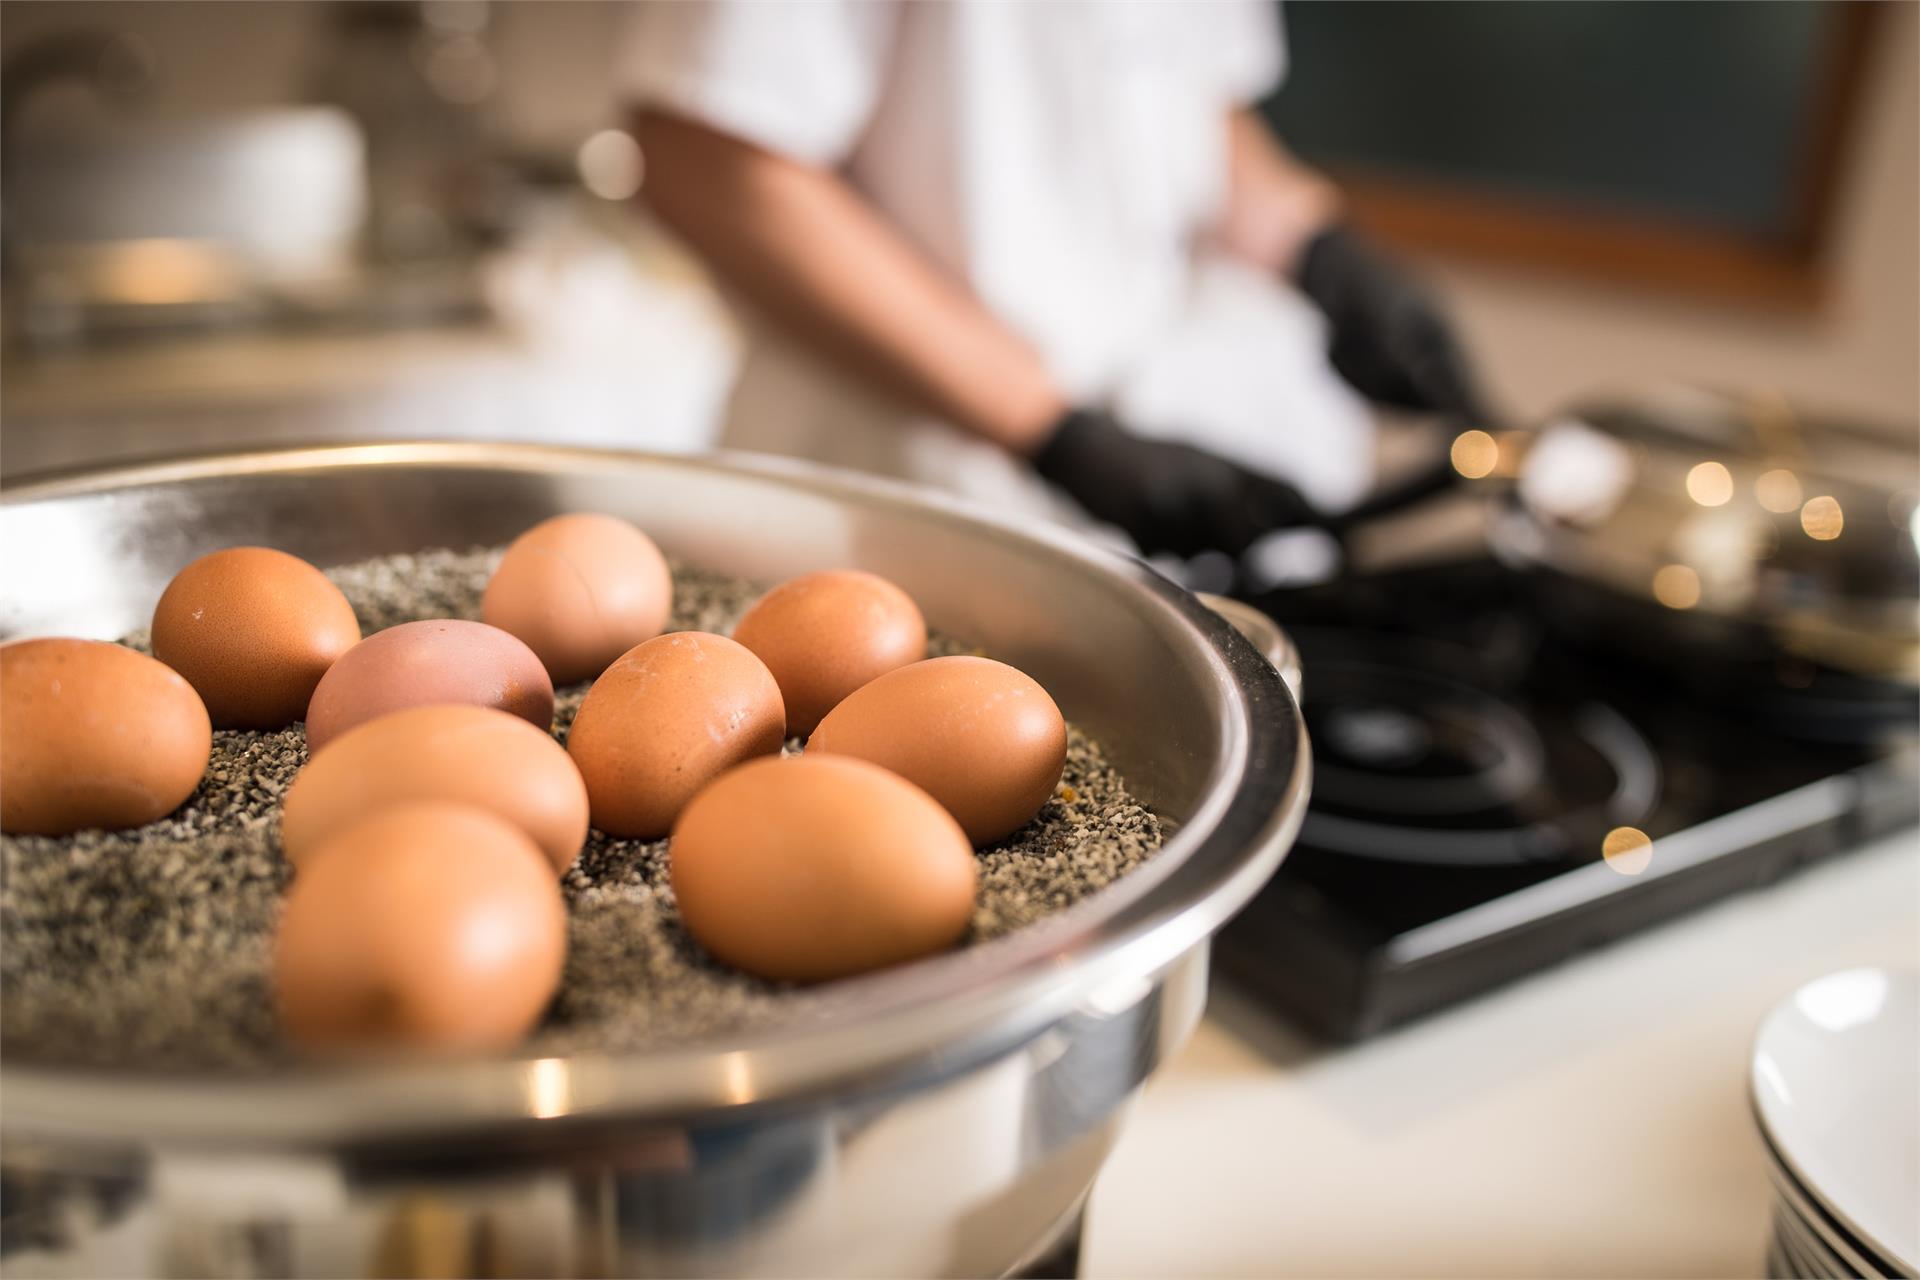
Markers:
(1168, 497)
(1390, 341)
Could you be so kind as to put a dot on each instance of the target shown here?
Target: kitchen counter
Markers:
(1589, 1121)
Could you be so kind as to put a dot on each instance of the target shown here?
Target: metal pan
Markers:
(945, 1118)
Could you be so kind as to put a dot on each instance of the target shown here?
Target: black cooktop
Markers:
(1492, 794)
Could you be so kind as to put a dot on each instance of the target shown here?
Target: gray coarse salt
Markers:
(152, 947)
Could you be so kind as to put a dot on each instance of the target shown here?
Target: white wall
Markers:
(1545, 339)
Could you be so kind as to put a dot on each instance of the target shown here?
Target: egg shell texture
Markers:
(435, 662)
(580, 590)
(981, 737)
(811, 868)
(823, 635)
(468, 755)
(253, 630)
(94, 735)
(430, 925)
(664, 720)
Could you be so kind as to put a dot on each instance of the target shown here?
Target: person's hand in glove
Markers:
(1166, 496)
(1389, 341)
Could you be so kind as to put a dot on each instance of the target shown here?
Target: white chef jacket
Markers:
(1064, 158)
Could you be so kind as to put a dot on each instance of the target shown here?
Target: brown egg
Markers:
(468, 755)
(432, 925)
(823, 635)
(820, 867)
(94, 735)
(432, 663)
(984, 739)
(663, 721)
(580, 590)
(252, 630)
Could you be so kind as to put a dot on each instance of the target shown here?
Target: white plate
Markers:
(1810, 1255)
(1818, 1238)
(1836, 1084)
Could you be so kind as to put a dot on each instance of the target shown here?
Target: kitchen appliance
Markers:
(364, 207)
(158, 223)
(1721, 528)
(1473, 771)
(943, 1118)
(1836, 1093)
(1528, 751)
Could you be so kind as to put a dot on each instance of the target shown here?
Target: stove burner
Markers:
(1406, 742)
(1447, 851)
(1381, 736)
(1412, 765)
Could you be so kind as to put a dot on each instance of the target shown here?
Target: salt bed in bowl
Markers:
(152, 947)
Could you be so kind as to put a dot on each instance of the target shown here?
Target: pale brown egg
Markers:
(820, 867)
(823, 635)
(436, 662)
(94, 735)
(430, 925)
(667, 718)
(468, 755)
(981, 737)
(253, 630)
(580, 590)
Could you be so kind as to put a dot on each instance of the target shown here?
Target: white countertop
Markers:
(1589, 1121)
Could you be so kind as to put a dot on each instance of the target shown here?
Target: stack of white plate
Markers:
(1836, 1089)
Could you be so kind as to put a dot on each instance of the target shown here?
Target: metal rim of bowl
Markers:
(1268, 636)
(931, 1017)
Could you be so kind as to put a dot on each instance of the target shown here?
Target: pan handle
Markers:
(1432, 480)
(1429, 482)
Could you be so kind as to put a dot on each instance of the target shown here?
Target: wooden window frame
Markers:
(1786, 271)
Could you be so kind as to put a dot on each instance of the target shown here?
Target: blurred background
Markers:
(233, 223)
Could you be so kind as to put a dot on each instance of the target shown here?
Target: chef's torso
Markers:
(1061, 158)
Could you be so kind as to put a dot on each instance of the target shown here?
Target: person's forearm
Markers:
(805, 248)
(1275, 204)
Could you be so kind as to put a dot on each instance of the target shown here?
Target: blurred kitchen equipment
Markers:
(167, 223)
(116, 221)
(1673, 677)
(117, 68)
(413, 76)
(1727, 528)
(946, 1118)
(367, 206)
(278, 192)
(1761, 543)
(1835, 1080)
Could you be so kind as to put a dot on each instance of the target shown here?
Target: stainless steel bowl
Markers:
(1266, 635)
(943, 1118)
